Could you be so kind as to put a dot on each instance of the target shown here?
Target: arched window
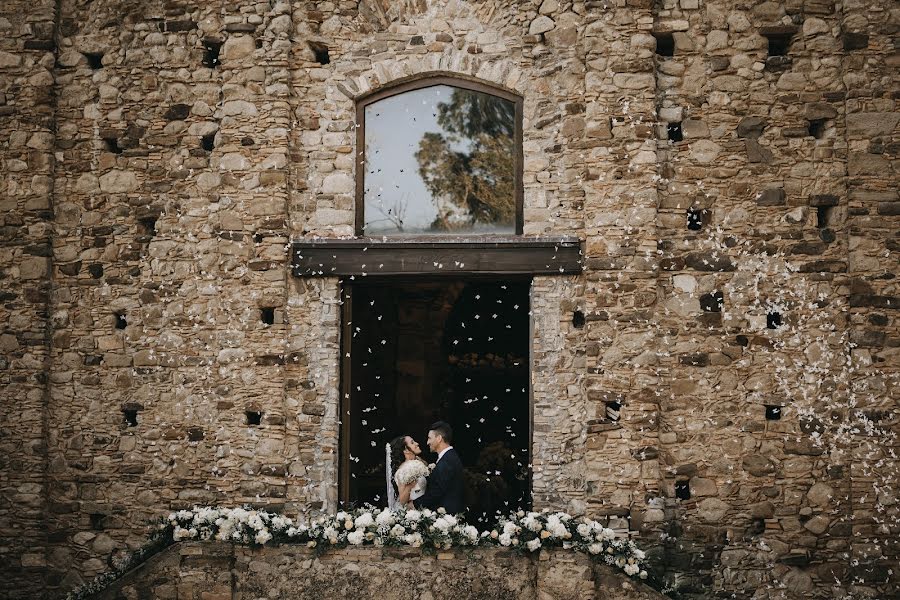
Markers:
(439, 156)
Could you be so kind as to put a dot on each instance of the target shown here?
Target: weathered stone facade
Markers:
(158, 158)
(217, 571)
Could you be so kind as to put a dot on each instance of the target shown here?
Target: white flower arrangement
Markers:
(527, 532)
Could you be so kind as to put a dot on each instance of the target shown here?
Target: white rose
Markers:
(413, 515)
(533, 544)
(595, 548)
(385, 518)
(471, 532)
(505, 539)
(631, 569)
(263, 536)
(364, 520)
(356, 537)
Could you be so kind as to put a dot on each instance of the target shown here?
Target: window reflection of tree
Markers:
(395, 215)
(469, 167)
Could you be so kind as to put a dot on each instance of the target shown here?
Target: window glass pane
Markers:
(440, 160)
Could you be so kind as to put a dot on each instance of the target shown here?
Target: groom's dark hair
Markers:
(443, 429)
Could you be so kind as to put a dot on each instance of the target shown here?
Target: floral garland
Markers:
(523, 531)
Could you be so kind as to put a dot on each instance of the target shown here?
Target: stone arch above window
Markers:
(439, 155)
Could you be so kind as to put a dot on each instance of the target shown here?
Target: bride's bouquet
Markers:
(410, 471)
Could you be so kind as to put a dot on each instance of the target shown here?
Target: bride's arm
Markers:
(405, 490)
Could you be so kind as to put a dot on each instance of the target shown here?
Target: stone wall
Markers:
(27, 164)
(167, 152)
(216, 571)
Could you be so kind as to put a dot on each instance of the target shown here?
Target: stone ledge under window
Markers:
(451, 256)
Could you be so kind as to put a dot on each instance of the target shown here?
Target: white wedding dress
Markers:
(401, 475)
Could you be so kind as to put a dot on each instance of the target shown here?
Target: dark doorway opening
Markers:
(419, 351)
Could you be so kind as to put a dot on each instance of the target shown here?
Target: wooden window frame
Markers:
(426, 82)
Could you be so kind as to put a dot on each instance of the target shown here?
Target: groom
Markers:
(445, 484)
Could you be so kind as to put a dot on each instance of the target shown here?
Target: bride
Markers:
(406, 472)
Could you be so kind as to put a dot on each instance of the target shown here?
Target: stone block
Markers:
(771, 197)
(889, 208)
(819, 110)
(541, 24)
(118, 181)
(757, 153)
(751, 127)
(872, 124)
(238, 47)
(757, 465)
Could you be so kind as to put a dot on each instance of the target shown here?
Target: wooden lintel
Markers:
(508, 255)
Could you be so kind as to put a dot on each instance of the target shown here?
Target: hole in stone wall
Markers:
(682, 490)
(773, 320)
(211, 50)
(823, 215)
(674, 131)
(320, 51)
(712, 302)
(742, 340)
(247, 141)
(773, 413)
(131, 415)
(613, 411)
(121, 322)
(147, 226)
(779, 43)
(96, 270)
(817, 128)
(195, 434)
(96, 520)
(208, 142)
(112, 144)
(757, 526)
(257, 238)
(254, 417)
(578, 319)
(665, 43)
(94, 60)
(695, 219)
(267, 314)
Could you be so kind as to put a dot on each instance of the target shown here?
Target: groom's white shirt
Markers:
(442, 453)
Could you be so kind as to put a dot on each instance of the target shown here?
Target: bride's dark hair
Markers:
(398, 445)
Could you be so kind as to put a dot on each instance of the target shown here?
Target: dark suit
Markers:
(445, 485)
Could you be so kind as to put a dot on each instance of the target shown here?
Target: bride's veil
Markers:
(389, 475)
